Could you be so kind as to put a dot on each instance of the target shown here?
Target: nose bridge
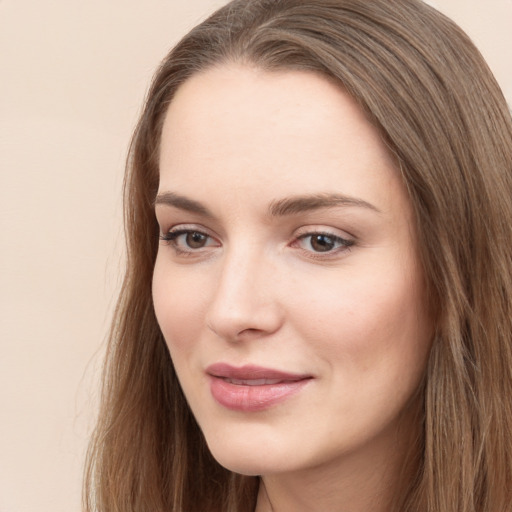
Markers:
(245, 300)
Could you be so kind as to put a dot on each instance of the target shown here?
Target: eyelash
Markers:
(172, 236)
(343, 244)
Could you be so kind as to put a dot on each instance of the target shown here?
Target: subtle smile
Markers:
(252, 388)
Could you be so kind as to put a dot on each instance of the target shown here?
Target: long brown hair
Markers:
(429, 92)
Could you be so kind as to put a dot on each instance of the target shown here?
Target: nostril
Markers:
(256, 322)
(250, 332)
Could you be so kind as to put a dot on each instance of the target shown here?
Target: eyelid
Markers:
(187, 227)
(320, 229)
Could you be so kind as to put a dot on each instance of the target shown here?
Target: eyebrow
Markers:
(183, 203)
(278, 208)
(301, 204)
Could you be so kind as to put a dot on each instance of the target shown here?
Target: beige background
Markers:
(73, 75)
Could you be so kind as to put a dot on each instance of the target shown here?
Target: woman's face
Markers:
(287, 284)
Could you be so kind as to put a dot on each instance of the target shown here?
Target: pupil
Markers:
(196, 240)
(322, 243)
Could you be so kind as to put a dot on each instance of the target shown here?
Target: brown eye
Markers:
(319, 242)
(322, 243)
(188, 240)
(195, 240)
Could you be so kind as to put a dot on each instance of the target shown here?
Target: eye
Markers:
(323, 242)
(188, 240)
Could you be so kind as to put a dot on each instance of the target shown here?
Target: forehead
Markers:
(238, 100)
(240, 126)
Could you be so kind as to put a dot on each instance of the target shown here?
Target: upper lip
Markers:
(251, 372)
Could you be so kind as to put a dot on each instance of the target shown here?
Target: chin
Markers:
(246, 460)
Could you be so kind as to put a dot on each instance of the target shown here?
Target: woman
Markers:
(325, 322)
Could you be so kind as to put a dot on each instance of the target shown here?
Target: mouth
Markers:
(252, 388)
(253, 382)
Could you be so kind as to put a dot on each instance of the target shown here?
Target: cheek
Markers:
(374, 342)
(179, 305)
(372, 323)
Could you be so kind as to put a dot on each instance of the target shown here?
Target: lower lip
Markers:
(253, 398)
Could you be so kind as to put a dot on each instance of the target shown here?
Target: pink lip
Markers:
(252, 388)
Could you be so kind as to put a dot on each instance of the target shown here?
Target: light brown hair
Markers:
(427, 89)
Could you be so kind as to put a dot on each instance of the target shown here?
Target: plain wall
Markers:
(73, 75)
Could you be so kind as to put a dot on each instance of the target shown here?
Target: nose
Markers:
(245, 304)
